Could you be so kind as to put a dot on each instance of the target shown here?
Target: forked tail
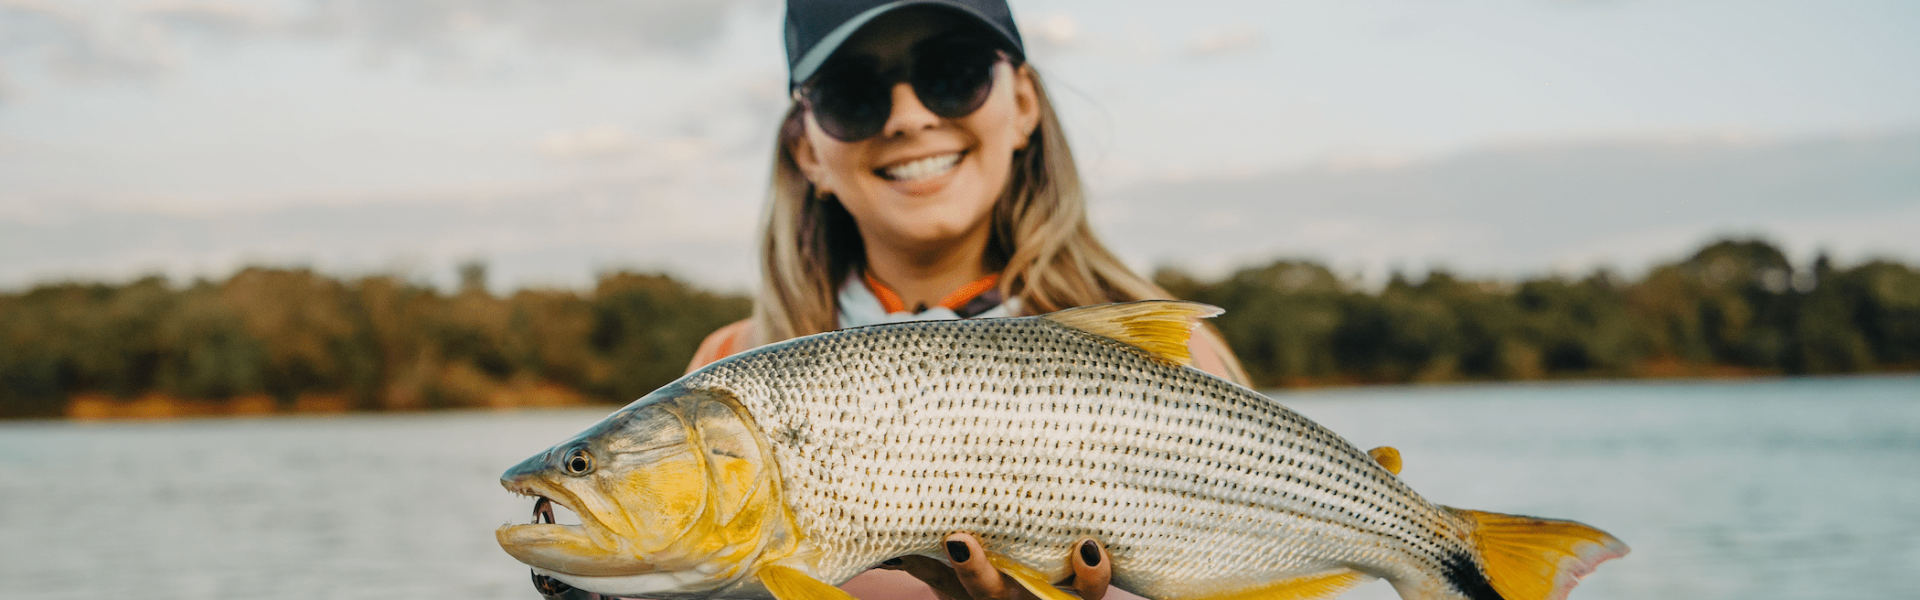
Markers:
(1529, 558)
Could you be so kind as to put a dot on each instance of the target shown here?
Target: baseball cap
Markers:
(815, 28)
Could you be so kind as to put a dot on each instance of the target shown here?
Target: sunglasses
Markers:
(851, 98)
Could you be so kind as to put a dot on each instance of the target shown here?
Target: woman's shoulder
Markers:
(723, 342)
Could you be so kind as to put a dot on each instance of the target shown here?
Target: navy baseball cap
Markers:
(815, 28)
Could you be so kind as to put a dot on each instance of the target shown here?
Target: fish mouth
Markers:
(555, 547)
(548, 587)
(543, 514)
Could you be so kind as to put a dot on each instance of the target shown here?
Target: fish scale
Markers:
(1032, 435)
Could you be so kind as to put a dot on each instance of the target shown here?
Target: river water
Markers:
(1789, 489)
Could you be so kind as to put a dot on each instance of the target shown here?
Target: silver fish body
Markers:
(1033, 434)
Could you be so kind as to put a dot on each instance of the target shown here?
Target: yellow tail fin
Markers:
(1528, 558)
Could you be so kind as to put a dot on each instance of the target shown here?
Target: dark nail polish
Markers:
(1090, 554)
(892, 562)
(958, 551)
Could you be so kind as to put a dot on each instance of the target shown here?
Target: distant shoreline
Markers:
(161, 407)
(278, 341)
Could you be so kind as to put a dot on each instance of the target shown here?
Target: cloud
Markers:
(142, 40)
(1058, 30)
(1523, 210)
(1238, 40)
(609, 28)
(599, 142)
(558, 234)
(208, 19)
(81, 46)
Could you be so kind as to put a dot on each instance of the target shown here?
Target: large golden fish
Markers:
(784, 470)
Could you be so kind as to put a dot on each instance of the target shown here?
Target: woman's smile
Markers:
(919, 169)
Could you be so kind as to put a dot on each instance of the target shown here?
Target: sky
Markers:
(555, 139)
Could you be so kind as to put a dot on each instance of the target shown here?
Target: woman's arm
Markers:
(1211, 354)
(722, 343)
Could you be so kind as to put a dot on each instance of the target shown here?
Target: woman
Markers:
(921, 174)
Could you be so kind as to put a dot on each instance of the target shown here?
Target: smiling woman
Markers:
(922, 174)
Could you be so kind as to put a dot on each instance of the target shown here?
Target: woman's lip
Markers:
(930, 185)
(883, 171)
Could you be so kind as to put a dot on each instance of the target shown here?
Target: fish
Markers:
(783, 471)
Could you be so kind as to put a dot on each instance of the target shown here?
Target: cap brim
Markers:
(817, 55)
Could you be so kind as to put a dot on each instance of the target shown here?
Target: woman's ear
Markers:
(1026, 104)
(807, 158)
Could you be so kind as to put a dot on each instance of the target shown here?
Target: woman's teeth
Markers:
(915, 170)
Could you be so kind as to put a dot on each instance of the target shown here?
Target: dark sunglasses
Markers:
(851, 98)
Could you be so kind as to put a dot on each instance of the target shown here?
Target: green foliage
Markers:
(1734, 306)
(290, 336)
(374, 343)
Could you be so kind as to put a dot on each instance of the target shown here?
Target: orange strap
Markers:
(890, 301)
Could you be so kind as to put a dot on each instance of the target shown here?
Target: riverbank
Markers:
(158, 406)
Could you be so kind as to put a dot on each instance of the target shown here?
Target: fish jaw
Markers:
(681, 498)
(565, 550)
(589, 548)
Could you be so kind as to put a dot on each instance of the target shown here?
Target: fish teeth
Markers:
(915, 170)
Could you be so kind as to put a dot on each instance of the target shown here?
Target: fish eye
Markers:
(578, 462)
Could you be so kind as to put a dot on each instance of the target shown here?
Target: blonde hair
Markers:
(1041, 243)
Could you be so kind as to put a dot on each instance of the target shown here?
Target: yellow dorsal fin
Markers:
(786, 583)
(1529, 558)
(1311, 587)
(1028, 578)
(1387, 457)
(1160, 328)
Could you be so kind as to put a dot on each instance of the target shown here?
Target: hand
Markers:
(972, 578)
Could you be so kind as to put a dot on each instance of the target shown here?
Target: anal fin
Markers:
(1311, 587)
(786, 583)
(1028, 578)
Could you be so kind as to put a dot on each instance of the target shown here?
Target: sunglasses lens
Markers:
(953, 78)
(849, 100)
(852, 100)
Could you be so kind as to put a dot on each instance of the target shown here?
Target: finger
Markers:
(935, 574)
(1092, 569)
(976, 574)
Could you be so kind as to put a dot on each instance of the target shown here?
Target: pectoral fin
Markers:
(1312, 587)
(789, 584)
(1028, 578)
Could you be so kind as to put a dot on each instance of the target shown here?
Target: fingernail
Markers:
(958, 551)
(891, 562)
(1090, 553)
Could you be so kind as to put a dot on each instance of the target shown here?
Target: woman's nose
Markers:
(909, 114)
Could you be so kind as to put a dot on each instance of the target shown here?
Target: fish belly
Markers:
(1034, 436)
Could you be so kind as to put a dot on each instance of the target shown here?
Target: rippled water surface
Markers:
(1800, 489)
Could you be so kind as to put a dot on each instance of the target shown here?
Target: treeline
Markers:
(283, 340)
(1734, 307)
(277, 340)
